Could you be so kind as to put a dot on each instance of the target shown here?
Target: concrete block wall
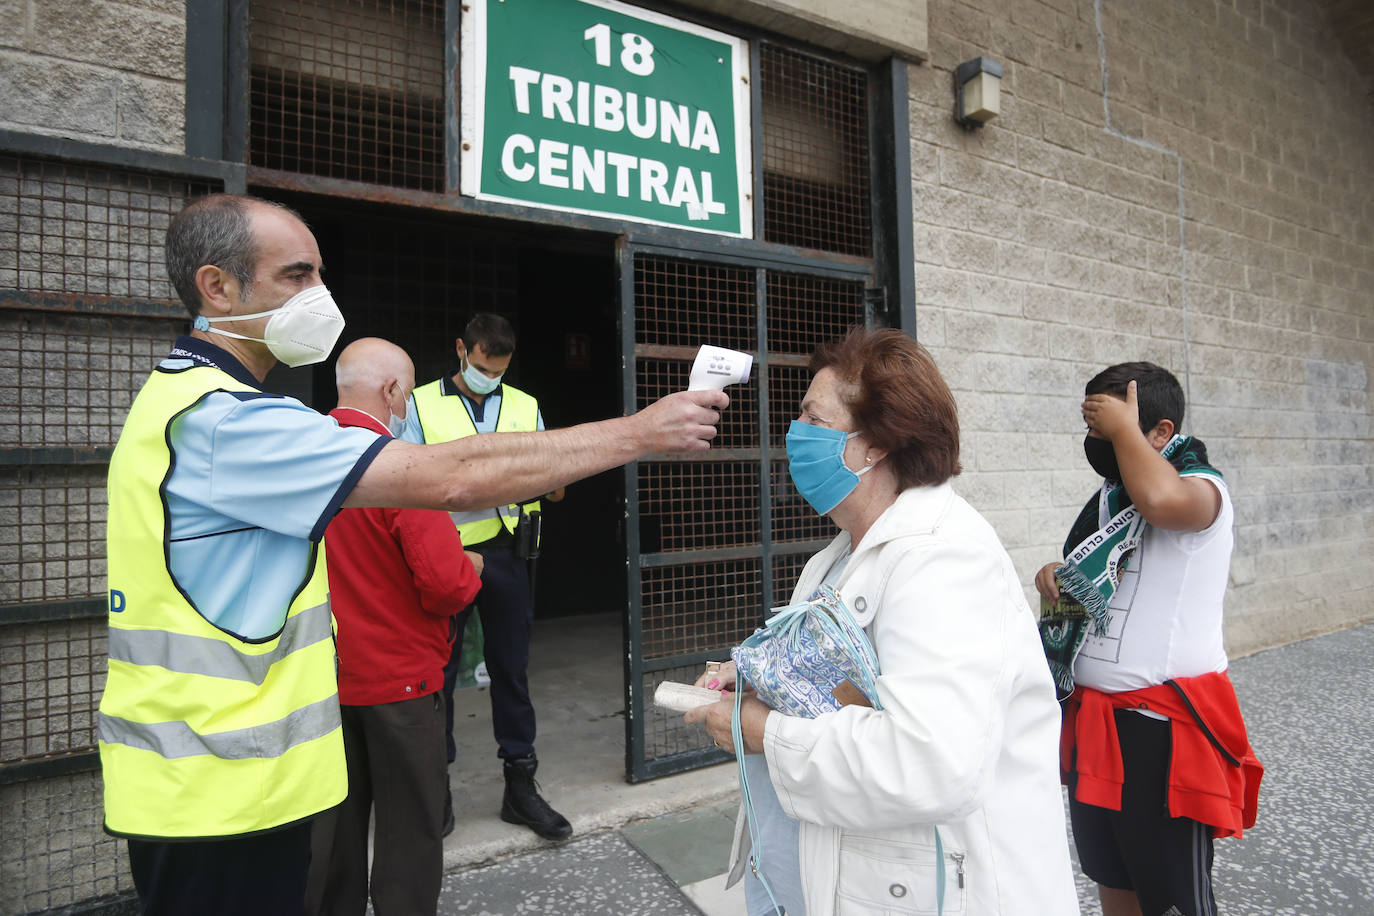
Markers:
(53, 850)
(109, 72)
(67, 232)
(1190, 183)
(56, 857)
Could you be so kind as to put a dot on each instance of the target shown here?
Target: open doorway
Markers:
(569, 356)
(416, 278)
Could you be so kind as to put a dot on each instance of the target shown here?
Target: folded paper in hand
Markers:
(683, 697)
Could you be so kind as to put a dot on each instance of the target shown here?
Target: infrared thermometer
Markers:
(716, 367)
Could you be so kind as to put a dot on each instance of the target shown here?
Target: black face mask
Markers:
(1102, 457)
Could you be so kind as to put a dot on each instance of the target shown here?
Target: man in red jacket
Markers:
(396, 579)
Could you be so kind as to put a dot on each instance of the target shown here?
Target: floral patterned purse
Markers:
(805, 653)
(810, 658)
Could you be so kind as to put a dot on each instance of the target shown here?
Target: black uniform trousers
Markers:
(507, 617)
(257, 873)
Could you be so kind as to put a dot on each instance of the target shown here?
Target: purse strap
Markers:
(746, 797)
(840, 621)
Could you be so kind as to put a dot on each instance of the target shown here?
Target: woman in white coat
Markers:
(967, 738)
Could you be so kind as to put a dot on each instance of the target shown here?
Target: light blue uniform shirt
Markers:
(256, 479)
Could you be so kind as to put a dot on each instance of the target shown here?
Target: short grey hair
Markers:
(216, 230)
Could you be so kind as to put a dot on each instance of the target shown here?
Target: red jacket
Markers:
(396, 577)
(1214, 785)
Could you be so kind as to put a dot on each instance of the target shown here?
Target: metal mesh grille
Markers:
(82, 269)
(704, 603)
(815, 153)
(50, 683)
(683, 303)
(793, 518)
(415, 282)
(68, 380)
(87, 230)
(787, 569)
(699, 605)
(54, 852)
(805, 311)
(350, 89)
(664, 732)
(52, 537)
(698, 505)
(739, 425)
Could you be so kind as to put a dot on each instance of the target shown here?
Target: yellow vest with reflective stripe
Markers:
(203, 734)
(444, 418)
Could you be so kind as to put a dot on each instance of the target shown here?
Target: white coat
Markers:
(967, 740)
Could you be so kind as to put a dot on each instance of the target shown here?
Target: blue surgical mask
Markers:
(815, 459)
(479, 381)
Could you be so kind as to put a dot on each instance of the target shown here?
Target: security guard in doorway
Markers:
(474, 400)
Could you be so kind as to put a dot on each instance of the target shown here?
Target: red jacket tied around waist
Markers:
(1214, 776)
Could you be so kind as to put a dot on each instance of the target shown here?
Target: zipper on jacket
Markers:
(958, 858)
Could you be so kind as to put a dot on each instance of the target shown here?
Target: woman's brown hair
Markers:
(898, 400)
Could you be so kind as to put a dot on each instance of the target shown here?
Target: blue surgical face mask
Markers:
(479, 381)
(815, 459)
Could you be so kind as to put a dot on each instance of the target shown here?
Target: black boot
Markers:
(523, 804)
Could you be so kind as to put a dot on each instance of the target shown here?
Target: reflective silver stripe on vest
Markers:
(172, 740)
(467, 518)
(485, 515)
(214, 657)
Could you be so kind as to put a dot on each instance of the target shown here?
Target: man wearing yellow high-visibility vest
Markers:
(219, 725)
(470, 401)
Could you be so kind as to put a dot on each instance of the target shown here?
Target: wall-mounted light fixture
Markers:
(977, 92)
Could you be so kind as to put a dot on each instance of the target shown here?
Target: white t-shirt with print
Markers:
(1164, 619)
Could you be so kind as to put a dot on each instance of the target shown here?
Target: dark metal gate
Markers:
(714, 540)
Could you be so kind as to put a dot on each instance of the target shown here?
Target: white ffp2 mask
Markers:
(302, 330)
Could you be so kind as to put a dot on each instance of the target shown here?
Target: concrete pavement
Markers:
(660, 847)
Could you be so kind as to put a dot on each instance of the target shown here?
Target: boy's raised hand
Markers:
(1109, 416)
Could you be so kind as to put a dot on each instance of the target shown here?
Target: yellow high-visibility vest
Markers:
(444, 418)
(204, 734)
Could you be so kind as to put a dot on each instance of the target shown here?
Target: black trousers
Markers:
(263, 874)
(1166, 860)
(396, 767)
(507, 620)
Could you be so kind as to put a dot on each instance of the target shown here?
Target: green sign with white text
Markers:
(598, 107)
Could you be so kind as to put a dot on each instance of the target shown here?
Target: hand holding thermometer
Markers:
(716, 367)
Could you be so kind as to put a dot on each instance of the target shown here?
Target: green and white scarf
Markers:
(1095, 556)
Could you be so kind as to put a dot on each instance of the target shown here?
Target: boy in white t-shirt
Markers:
(1157, 760)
